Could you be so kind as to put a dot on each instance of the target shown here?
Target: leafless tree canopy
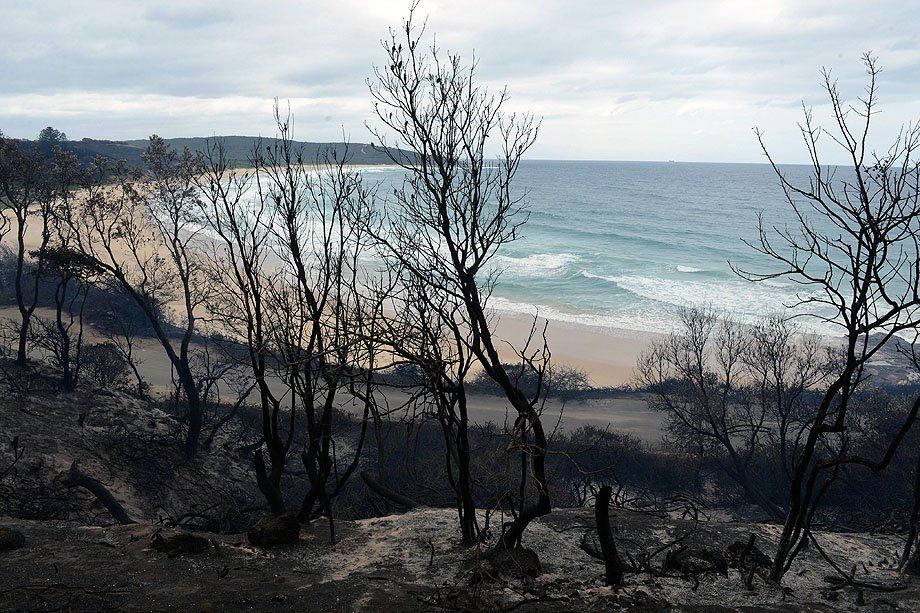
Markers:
(739, 392)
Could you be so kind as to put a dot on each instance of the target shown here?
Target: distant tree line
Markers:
(237, 149)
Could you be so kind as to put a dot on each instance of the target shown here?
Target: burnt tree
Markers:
(456, 210)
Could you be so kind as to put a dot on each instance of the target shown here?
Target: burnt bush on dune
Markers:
(578, 463)
(125, 444)
(105, 366)
(563, 382)
(409, 458)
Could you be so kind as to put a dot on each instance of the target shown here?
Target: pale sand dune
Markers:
(608, 356)
(628, 412)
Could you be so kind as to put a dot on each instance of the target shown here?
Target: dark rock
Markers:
(688, 561)
(180, 543)
(275, 530)
(11, 539)
(738, 556)
(517, 562)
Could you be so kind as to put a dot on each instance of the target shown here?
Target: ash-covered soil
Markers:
(74, 559)
(414, 562)
(128, 444)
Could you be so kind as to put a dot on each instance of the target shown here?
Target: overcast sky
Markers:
(637, 80)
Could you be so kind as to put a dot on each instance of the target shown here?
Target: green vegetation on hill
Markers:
(238, 148)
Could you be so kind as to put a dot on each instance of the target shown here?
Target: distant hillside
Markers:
(238, 148)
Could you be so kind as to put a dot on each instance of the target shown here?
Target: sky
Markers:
(612, 80)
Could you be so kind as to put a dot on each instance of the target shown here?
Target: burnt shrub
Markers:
(104, 366)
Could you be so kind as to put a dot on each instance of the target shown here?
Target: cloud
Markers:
(613, 80)
(182, 16)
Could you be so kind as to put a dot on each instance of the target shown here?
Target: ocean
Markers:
(625, 244)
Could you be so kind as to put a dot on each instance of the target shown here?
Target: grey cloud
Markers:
(614, 71)
(190, 17)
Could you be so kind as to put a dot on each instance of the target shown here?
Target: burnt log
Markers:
(77, 478)
(386, 493)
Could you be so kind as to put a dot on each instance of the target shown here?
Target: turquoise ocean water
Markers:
(625, 244)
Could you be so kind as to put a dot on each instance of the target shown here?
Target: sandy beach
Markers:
(608, 355)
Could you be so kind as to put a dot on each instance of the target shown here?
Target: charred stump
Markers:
(613, 571)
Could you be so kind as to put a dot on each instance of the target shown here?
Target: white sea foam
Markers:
(536, 265)
(688, 269)
(735, 297)
(660, 318)
(624, 321)
(591, 275)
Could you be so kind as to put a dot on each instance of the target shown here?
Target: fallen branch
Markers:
(839, 583)
(100, 491)
(844, 579)
(386, 493)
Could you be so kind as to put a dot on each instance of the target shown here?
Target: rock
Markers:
(180, 543)
(11, 539)
(275, 530)
(737, 556)
(517, 562)
(688, 561)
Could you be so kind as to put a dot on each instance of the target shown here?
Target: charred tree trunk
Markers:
(193, 405)
(25, 311)
(69, 382)
(468, 526)
(512, 535)
(613, 571)
(268, 484)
